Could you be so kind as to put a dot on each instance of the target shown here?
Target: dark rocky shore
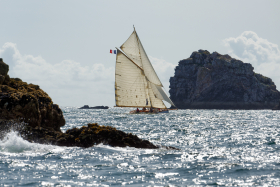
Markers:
(29, 110)
(215, 81)
(86, 136)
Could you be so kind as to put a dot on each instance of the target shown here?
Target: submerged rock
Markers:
(215, 81)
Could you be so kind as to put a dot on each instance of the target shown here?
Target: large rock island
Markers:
(29, 110)
(215, 81)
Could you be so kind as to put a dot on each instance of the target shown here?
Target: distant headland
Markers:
(215, 81)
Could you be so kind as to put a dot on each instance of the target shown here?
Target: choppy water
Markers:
(217, 147)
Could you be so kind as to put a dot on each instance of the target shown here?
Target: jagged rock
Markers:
(30, 104)
(95, 107)
(4, 68)
(88, 136)
(30, 111)
(27, 103)
(215, 81)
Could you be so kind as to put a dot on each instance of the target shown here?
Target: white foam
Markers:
(13, 143)
(126, 149)
(162, 175)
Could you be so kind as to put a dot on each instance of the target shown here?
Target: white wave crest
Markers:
(13, 143)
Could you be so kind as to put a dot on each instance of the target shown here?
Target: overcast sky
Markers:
(63, 46)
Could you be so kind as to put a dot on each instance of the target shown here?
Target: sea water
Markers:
(216, 147)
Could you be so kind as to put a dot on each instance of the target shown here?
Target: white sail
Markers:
(160, 93)
(137, 84)
(147, 66)
(156, 102)
(131, 49)
(130, 85)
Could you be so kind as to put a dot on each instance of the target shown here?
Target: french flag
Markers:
(113, 51)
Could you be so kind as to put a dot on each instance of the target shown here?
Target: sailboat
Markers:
(136, 82)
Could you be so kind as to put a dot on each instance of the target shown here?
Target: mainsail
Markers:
(137, 84)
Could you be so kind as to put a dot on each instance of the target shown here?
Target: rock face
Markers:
(28, 110)
(4, 68)
(88, 136)
(27, 103)
(277, 107)
(215, 81)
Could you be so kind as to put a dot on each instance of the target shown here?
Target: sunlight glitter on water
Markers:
(217, 147)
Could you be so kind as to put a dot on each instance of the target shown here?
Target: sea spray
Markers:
(217, 147)
(14, 143)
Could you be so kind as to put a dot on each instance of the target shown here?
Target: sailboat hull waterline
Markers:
(136, 82)
(154, 111)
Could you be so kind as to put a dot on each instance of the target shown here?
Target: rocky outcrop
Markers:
(94, 107)
(86, 136)
(27, 103)
(4, 68)
(215, 81)
(29, 110)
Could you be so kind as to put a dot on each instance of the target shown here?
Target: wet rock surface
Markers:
(29, 110)
(28, 103)
(215, 81)
(86, 136)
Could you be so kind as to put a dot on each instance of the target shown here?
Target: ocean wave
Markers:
(13, 143)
